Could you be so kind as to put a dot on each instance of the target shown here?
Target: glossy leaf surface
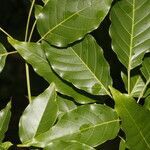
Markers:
(34, 55)
(83, 65)
(65, 105)
(67, 145)
(39, 116)
(64, 21)
(90, 124)
(135, 121)
(130, 31)
(5, 115)
(2, 56)
(137, 84)
(38, 9)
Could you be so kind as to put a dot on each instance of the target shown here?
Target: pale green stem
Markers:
(28, 20)
(6, 33)
(26, 65)
(32, 29)
(143, 91)
(129, 82)
(9, 53)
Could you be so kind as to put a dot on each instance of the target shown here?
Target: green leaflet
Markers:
(34, 55)
(137, 84)
(5, 145)
(70, 145)
(135, 121)
(5, 115)
(62, 22)
(146, 68)
(3, 56)
(147, 103)
(39, 116)
(130, 31)
(83, 65)
(65, 105)
(90, 124)
(146, 72)
(38, 9)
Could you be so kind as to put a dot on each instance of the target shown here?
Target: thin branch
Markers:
(7, 34)
(8, 53)
(26, 65)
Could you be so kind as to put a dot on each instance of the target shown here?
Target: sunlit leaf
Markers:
(64, 21)
(70, 145)
(39, 116)
(5, 145)
(3, 56)
(130, 31)
(83, 65)
(134, 119)
(38, 9)
(90, 124)
(65, 105)
(5, 115)
(34, 55)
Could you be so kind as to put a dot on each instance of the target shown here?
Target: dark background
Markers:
(13, 16)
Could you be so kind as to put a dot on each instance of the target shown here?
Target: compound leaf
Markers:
(35, 55)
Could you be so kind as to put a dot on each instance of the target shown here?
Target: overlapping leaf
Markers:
(2, 56)
(83, 65)
(65, 105)
(39, 116)
(70, 145)
(137, 84)
(63, 21)
(146, 72)
(90, 124)
(135, 121)
(34, 55)
(130, 31)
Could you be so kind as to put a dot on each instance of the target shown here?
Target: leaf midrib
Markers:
(91, 72)
(88, 128)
